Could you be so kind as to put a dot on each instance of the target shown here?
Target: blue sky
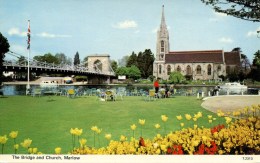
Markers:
(119, 27)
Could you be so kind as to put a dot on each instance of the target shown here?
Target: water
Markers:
(11, 90)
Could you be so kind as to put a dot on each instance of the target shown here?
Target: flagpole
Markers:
(28, 68)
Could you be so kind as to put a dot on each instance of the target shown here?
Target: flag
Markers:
(29, 36)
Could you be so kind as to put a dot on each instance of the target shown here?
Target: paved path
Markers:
(229, 103)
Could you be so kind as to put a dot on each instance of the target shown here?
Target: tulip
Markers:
(188, 117)
(182, 124)
(58, 150)
(78, 132)
(199, 115)
(3, 139)
(210, 120)
(123, 138)
(94, 128)
(133, 127)
(228, 120)
(108, 136)
(16, 146)
(26, 143)
(82, 142)
(164, 118)
(209, 116)
(141, 121)
(157, 126)
(13, 134)
(179, 117)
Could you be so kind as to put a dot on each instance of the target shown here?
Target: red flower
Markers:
(141, 142)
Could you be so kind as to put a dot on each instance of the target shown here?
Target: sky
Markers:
(119, 27)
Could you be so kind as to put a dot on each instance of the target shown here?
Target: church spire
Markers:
(163, 24)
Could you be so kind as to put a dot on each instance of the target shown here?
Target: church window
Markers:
(162, 46)
(160, 69)
(198, 69)
(179, 69)
(219, 68)
(169, 70)
(188, 69)
(209, 69)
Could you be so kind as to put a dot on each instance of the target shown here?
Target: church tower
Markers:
(162, 48)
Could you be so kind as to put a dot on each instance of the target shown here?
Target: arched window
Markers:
(188, 69)
(179, 69)
(97, 65)
(169, 70)
(162, 46)
(198, 69)
(160, 69)
(209, 69)
(219, 68)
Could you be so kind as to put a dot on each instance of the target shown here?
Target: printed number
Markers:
(247, 158)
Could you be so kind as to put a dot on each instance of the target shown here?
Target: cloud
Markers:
(253, 33)
(220, 14)
(49, 35)
(16, 32)
(126, 24)
(226, 40)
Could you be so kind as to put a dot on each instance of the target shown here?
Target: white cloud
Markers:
(226, 40)
(16, 32)
(253, 33)
(49, 35)
(220, 14)
(126, 24)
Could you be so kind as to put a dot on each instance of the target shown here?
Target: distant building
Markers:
(196, 65)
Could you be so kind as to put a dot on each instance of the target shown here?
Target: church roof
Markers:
(232, 58)
(209, 56)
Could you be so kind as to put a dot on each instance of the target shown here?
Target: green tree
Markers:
(243, 9)
(122, 71)
(132, 60)
(4, 48)
(134, 72)
(176, 77)
(114, 65)
(256, 60)
(145, 63)
(48, 58)
(61, 58)
(122, 62)
(76, 59)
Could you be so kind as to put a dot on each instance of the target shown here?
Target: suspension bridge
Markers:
(97, 70)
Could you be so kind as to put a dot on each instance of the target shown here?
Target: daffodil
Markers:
(58, 150)
(94, 128)
(199, 115)
(77, 131)
(98, 131)
(3, 139)
(179, 117)
(164, 118)
(209, 116)
(108, 136)
(194, 119)
(26, 143)
(188, 116)
(182, 124)
(142, 121)
(13, 134)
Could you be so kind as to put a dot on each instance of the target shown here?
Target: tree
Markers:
(48, 58)
(134, 72)
(122, 71)
(61, 58)
(132, 60)
(76, 59)
(4, 48)
(122, 62)
(243, 9)
(176, 77)
(114, 65)
(256, 60)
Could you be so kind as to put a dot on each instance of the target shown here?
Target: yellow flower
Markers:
(199, 115)
(179, 117)
(164, 118)
(252, 119)
(195, 126)
(133, 127)
(99, 131)
(58, 150)
(72, 131)
(16, 146)
(82, 142)
(3, 139)
(77, 131)
(210, 120)
(32, 150)
(157, 126)
(228, 120)
(108, 136)
(26, 143)
(195, 143)
(194, 119)
(209, 116)
(13, 134)
(123, 138)
(94, 128)
(214, 119)
(182, 124)
(188, 117)
(142, 121)
(220, 113)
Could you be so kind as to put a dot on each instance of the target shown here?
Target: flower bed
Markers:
(239, 135)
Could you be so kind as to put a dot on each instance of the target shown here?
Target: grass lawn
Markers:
(48, 120)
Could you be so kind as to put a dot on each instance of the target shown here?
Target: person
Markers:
(167, 92)
(156, 86)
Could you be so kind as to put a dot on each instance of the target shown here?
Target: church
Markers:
(194, 65)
